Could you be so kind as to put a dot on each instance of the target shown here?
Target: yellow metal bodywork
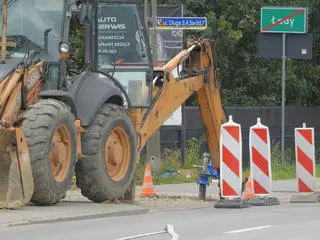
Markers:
(10, 92)
(173, 92)
(16, 181)
(80, 130)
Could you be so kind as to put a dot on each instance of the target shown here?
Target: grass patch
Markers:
(193, 152)
(286, 173)
(158, 179)
(318, 170)
(283, 173)
(171, 161)
(279, 172)
(173, 179)
(140, 172)
(246, 172)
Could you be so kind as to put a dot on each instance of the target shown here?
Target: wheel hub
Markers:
(60, 153)
(117, 154)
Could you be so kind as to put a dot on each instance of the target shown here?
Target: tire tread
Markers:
(36, 126)
(89, 172)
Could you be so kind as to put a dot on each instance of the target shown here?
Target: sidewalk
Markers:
(77, 207)
(283, 189)
(67, 211)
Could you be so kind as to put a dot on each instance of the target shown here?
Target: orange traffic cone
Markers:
(148, 189)
(248, 191)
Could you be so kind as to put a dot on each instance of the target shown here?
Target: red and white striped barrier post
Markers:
(231, 159)
(260, 165)
(305, 165)
(231, 166)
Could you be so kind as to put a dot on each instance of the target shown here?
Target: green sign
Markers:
(283, 20)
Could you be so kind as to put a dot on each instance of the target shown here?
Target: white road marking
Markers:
(249, 229)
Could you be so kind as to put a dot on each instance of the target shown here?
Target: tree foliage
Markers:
(247, 80)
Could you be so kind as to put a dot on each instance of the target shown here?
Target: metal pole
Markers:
(183, 135)
(153, 144)
(4, 31)
(146, 14)
(154, 33)
(283, 98)
(183, 122)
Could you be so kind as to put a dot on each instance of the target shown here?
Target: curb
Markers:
(284, 191)
(76, 218)
(211, 198)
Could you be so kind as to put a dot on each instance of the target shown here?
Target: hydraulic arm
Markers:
(170, 92)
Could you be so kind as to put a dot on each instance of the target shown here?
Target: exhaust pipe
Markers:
(4, 31)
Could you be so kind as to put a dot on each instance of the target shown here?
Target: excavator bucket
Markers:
(16, 181)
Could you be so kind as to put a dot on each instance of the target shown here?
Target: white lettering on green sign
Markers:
(283, 20)
(286, 22)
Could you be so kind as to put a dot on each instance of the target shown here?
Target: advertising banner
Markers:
(169, 42)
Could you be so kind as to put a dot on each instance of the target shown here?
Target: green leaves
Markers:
(77, 42)
(247, 80)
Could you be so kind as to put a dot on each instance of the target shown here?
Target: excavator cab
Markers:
(122, 48)
(36, 29)
(35, 34)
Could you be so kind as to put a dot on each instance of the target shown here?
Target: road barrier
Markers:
(231, 166)
(305, 165)
(260, 159)
(259, 182)
(260, 165)
(231, 159)
(305, 159)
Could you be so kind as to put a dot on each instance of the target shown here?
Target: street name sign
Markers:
(284, 20)
(182, 23)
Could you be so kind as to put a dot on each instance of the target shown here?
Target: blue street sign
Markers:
(182, 22)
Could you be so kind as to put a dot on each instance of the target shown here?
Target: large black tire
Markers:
(39, 125)
(92, 175)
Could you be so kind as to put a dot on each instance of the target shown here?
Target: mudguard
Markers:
(86, 95)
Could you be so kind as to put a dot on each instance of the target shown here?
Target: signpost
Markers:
(153, 149)
(284, 20)
(186, 23)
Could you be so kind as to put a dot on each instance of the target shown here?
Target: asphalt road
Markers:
(287, 221)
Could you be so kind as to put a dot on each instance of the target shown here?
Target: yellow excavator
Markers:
(55, 121)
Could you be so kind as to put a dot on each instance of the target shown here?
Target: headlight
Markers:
(64, 48)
